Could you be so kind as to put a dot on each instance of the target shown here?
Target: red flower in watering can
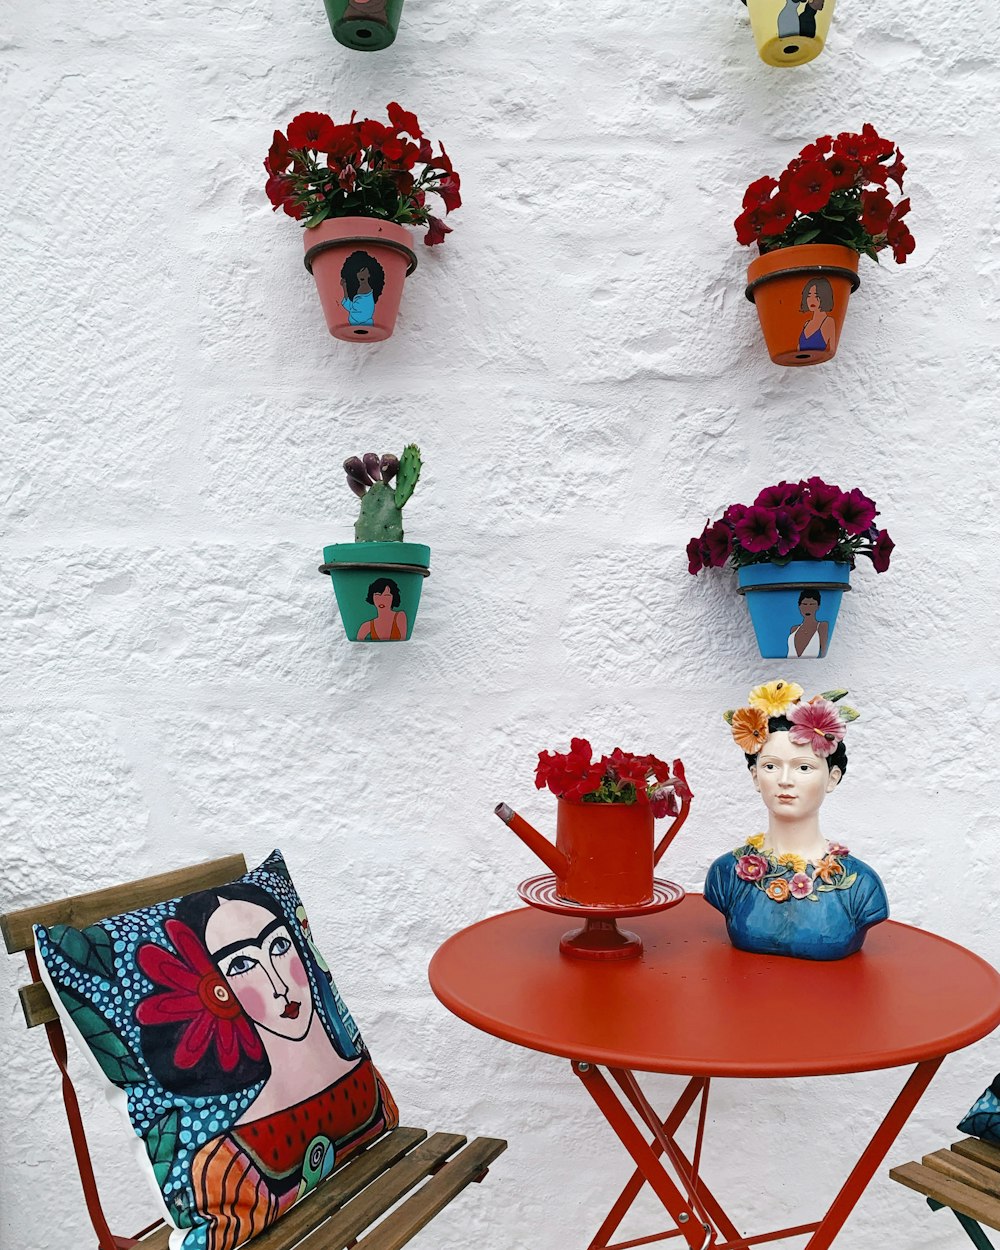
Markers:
(620, 777)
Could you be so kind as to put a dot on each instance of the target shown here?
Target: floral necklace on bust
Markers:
(782, 877)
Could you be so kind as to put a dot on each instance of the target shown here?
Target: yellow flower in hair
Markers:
(795, 862)
(775, 697)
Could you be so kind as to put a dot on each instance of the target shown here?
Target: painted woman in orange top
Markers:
(389, 624)
(253, 1020)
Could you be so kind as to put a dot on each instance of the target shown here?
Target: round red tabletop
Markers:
(694, 1005)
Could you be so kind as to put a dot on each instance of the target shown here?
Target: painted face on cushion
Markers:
(793, 781)
(254, 951)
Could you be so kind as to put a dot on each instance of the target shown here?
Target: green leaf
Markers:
(161, 1144)
(112, 1052)
(320, 216)
(848, 713)
(850, 880)
(807, 236)
(90, 949)
(824, 889)
(728, 715)
(812, 898)
(833, 695)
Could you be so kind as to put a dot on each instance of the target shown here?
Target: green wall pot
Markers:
(785, 599)
(378, 587)
(366, 25)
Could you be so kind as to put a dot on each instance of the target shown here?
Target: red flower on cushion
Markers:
(195, 992)
(809, 186)
(311, 130)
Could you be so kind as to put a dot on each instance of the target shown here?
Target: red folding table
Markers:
(693, 1006)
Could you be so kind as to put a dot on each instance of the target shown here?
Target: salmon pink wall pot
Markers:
(801, 296)
(608, 850)
(360, 265)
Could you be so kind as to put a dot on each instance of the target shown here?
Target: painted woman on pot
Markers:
(809, 637)
(819, 333)
(235, 1013)
(791, 891)
(362, 279)
(389, 623)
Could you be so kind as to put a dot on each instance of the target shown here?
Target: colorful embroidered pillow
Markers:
(983, 1117)
(225, 1040)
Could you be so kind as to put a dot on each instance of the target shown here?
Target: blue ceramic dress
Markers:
(769, 911)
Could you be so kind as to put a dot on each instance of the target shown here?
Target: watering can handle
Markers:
(673, 831)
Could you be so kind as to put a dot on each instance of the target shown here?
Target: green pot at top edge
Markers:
(365, 25)
(378, 587)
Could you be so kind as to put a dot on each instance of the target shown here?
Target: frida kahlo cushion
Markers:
(219, 1027)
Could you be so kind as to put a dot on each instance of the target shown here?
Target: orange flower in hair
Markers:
(749, 727)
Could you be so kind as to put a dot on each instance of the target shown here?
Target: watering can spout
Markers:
(543, 848)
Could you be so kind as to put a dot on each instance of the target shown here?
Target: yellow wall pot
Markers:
(790, 32)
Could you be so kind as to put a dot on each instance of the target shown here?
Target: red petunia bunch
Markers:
(834, 191)
(807, 520)
(616, 778)
(361, 169)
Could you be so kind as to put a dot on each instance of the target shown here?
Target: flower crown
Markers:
(817, 724)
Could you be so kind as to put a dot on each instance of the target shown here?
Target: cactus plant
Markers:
(370, 477)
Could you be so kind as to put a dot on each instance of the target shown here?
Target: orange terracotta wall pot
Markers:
(608, 850)
(360, 265)
(801, 296)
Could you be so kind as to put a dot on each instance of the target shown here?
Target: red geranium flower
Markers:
(876, 209)
(901, 241)
(843, 171)
(809, 186)
(775, 496)
(816, 151)
(278, 155)
(751, 225)
(404, 121)
(778, 213)
(759, 192)
(855, 512)
(448, 189)
(436, 230)
(311, 130)
(820, 537)
(822, 496)
(757, 530)
(717, 544)
(696, 561)
(896, 170)
(195, 992)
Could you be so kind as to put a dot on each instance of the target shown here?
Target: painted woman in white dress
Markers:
(809, 638)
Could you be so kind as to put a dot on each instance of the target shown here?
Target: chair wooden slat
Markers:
(952, 1193)
(36, 1004)
(84, 909)
(342, 1186)
(959, 1168)
(351, 1221)
(157, 1240)
(418, 1210)
(981, 1151)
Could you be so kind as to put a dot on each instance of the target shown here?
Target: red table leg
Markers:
(699, 1217)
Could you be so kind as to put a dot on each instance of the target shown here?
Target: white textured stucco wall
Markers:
(587, 384)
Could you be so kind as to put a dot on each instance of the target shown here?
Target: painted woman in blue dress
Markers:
(790, 891)
(819, 334)
(362, 279)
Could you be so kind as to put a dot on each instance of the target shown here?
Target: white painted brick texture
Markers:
(587, 384)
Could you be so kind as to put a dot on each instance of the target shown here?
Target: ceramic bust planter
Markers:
(790, 32)
(378, 578)
(790, 891)
(794, 549)
(829, 206)
(366, 25)
(357, 188)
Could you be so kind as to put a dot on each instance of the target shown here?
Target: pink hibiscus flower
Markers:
(817, 725)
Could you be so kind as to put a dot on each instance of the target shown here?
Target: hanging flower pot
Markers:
(828, 207)
(794, 548)
(360, 265)
(355, 188)
(790, 32)
(798, 288)
(794, 606)
(378, 579)
(366, 25)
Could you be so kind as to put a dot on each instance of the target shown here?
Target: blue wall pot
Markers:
(378, 587)
(794, 606)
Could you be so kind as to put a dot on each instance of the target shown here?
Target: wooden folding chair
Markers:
(349, 1209)
(964, 1178)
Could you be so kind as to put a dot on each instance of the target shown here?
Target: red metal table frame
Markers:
(692, 1005)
